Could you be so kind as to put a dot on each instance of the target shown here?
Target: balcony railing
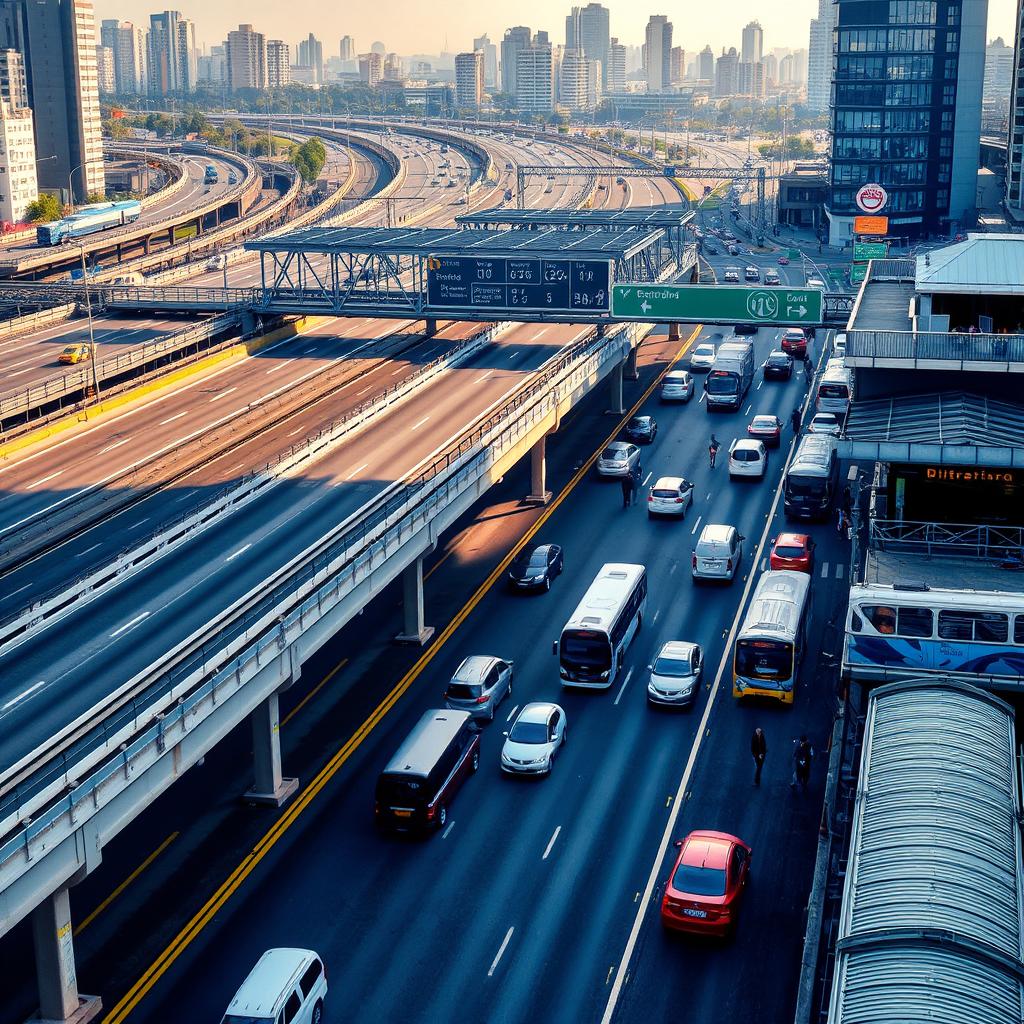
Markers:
(997, 349)
(962, 540)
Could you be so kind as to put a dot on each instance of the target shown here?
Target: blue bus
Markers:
(88, 220)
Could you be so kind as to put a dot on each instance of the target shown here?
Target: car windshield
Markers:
(788, 551)
(674, 665)
(613, 454)
(698, 881)
(529, 732)
(704, 350)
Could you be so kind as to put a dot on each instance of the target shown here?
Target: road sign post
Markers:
(717, 303)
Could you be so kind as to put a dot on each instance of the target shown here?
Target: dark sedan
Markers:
(641, 429)
(778, 366)
(534, 569)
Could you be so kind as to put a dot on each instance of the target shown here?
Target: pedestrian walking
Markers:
(713, 447)
(848, 503)
(628, 486)
(803, 755)
(759, 751)
(795, 419)
(840, 520)
(808, 371)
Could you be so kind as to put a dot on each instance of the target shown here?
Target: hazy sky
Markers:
(415, 26)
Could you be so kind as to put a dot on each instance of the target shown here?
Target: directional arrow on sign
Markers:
(796, 310)
(645, 306)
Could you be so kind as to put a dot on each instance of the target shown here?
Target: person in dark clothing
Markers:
(795, 419)
(628, 486)
(803, 754)
(808, 370)
(847, 503)
(759, 751)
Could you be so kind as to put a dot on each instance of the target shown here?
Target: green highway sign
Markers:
(870, 250)
(717, 303)
(794, 254)
(858, 272)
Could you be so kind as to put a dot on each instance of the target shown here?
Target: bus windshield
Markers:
(721, 382)
(764, 659)
(586, 647)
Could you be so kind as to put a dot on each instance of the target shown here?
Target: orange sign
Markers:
(871, 225)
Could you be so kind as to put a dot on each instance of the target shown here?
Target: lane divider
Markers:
(223, 893)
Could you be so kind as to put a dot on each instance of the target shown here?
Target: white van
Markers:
(287, 986)
(132, 278)
(717, 553)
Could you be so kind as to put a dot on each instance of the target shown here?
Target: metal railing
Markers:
(947, 347)
(893, 270)
(962, 540)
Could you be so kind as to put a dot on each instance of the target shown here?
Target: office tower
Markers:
(587, 30)
(490, 52)
(469, 79)
(515, 39)
(907, 113)
(752, 49)
(13, 84)
(392, 69)
(998, 80)
(658, 50)
(311, 55)
(706, 65)
(677, 65)
(279, 64)
(786, 70)
(163, 58)
(800, 66)
(57, 43)
(188, 56)
(128, 44)
(105, 68)
(535, 76)
(212, 67)
(1015, 136)
(347, 49)
(579, 82)
(18, 182)
(615, 73)
(771, 69)
(572, 29)
(371, 68)
(750, 78)
(819, 59)
(727, 70)
(245, 58)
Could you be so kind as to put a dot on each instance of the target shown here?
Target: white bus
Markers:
(770, 644)
(904, 630)
(835, 388)
(594, 641)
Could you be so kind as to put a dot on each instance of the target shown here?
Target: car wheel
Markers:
(547, 583)
(318, 1013)
(442, 816)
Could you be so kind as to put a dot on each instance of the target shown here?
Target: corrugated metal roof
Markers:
(930, 927)
(983, 264)
(628, 216)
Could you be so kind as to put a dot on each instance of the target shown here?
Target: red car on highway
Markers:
(783, 261)
(794, 341)
(793, 551)
(703, 892)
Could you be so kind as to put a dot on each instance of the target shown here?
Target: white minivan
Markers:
(717, 553)
(287, 986)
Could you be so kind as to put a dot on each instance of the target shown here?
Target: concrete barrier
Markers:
(20, 325)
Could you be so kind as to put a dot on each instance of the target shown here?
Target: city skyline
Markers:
(410, 28)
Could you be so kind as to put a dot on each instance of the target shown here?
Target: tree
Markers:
(309, 159)
(45, 208)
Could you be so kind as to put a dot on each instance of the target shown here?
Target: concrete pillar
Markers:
(416, 633)
(55, 964)
(630, 371)
(615, 381)
(268, 785)
(431, 326)
(539, 494)
(673, 332)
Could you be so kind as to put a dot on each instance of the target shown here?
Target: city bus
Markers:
(593, 643)
(835, 389)
(770, 644)
(812, 478)
(903, 630)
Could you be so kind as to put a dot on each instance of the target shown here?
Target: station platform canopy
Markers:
(631, 218)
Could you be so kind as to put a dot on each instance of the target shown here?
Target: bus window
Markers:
(965, 625)
(1018, 629)
(882, 618)
(914, 622)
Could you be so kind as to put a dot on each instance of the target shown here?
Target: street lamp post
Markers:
(92, 336)
(71, 187)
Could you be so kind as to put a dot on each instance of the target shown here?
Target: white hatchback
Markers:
(748, 458)
(670, 496)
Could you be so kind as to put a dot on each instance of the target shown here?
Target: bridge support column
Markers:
(615, 382)
(630, 372)
(416, 633)
(539, 494)
(673, 332)
(431, 326)
(55, 964)
(269, 787)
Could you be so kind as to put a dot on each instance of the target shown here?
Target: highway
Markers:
(524, 908)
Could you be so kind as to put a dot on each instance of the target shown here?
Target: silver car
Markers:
(620, 458)
(677, 386)
(534, 740)
(479, 685)
(703, 356)
(675, 674)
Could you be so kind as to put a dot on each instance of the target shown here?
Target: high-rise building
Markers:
(515, 39)
(371, 68)
(164, 56)
(392, 68)
(19, 185)
(706, 65)
(245, 58)
(771, 69)
(658, 50)
(752, 48)
(490, 52)
(188, 56)
(800, 66)
(750, 78)
(1015, 136)
(786, 70)
(212, 66)
(57, 43)
(998, 80)
(615, 73)
(347, 49)
(727, 73)
(819, 60)
(579, 81)
(13, 83)
(279, 63)
(906, 113)
(105, 68)
(587, 30)
(311, 55)
(128, 44)
(677, 65)
(535, 77)
(469, 79)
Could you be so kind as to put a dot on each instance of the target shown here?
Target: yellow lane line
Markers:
(230, 885)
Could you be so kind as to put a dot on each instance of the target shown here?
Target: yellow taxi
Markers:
(76, 353)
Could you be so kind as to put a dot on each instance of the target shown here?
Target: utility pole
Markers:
(93, 357)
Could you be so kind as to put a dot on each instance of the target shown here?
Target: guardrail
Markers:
(945, 347)
(21, 325)
(962, 540)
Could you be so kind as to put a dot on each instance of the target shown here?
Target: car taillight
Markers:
(430, 813)
(650, 497)
(678, 501)
(481, 700)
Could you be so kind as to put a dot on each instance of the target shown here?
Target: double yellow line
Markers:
(205, 914)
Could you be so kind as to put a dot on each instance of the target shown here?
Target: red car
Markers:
(766, 427)
(793, 551)
(794, 341)
(703, 892)
(783, 261)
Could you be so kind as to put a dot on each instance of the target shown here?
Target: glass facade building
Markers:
(906, 106)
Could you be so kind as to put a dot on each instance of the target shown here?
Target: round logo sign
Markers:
(871, 198)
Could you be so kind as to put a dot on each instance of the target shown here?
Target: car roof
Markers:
(677, 374)
(707, 850)
(428, 738)
(539, 711)
(269, 980)
(669, 481)
(706, 344)
(792, 538)
(618, 444)
(778, 353)
(641, 419)
(746, 442)
(677, 649)
(474, 668)
(766, 416)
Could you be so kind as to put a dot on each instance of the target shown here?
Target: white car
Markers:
(748, 457)
(815, 282)
(839, 346)
(732, 274)
(533, 742)
(670, 496)
(703, 356)
(676, 386)
(825, 423)
(675, 675)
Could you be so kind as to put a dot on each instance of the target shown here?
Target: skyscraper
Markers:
(163, 58)
(311, 55)
(128, 44)
(347, 48)
(371, 68)
(752, 49)
(907, 113)
(591, 33)
(188, 56)
(57, 42)
(469, 79)
(1015, 139)
(706, 65)
(819, 59)
(615, 73)
(245, 55)
(579, 82)
(279, 63)
(17, 161)
(658, 46)
(515, 39)
(727, 73)
(998, 80)
(535, 76)
(677, 65)
(104, 68)
(490, 52)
